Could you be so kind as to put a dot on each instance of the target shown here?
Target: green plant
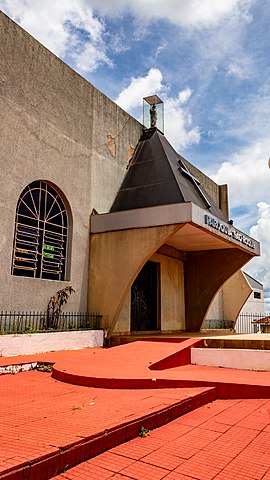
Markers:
(143, 432)
(29, 329)
(54, 308)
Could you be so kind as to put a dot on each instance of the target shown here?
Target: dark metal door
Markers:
(145, 299)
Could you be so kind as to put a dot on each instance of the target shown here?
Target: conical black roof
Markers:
(157, 175)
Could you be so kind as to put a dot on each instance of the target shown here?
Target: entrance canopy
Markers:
(123, 241)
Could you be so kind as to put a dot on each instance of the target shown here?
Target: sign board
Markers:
(47, 247)
(48, 255)
(229, 231)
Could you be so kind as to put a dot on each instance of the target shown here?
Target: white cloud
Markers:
(59, 25)
(247, 175)
(188, 13)
(131, 97)
(237, 71)
(185, 95)
(89, 57)
(177, 121)
(259, 267)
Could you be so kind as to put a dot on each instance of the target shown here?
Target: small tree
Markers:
(54, 308)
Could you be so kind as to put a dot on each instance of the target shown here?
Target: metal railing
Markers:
(244, 322)
(36, 322)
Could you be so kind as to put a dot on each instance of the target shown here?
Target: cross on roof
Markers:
(184, 170)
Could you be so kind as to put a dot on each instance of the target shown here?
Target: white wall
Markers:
(232, 358)
(26, 344)
(254, 305)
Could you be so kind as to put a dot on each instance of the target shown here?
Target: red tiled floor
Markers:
(49, 357)
(86, 472)
(111, 461)
(40, 415)
(139, 470)
(143, 361)
(178, 476)
(50, 424)
(239, 453)
(135, 449)
(164, 459)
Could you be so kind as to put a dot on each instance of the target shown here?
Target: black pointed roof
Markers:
(158, 175)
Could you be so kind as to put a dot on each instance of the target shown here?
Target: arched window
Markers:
(41, 233)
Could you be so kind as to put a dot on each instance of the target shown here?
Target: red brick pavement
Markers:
(194, 446)
(46, 425)
(148, 364)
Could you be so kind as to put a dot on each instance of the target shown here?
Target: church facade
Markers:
(90, 198)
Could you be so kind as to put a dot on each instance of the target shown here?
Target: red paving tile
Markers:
(49, 357)
(47, 426)
(111, 461)
(178, 476)
(164, 459)
(158, 365)
(240, 453)
(40, 416)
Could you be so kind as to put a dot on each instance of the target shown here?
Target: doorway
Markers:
(145, 299)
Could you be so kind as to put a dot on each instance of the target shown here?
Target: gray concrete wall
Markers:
(219, 193)
(172, 297)
(55, 126)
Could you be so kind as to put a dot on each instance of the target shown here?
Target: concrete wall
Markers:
(216, 310)
(219, 193)
(123, 322)
(116, 259)
(235, 293)
(172, 302)
(235, 296)
(232, 358)
(55, 126)
(254, 305)
(49, 342)
(205, 273)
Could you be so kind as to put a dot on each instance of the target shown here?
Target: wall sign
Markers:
(48, 247)
(229, 231)
(48, 255)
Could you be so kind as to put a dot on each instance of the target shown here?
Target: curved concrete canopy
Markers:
(116, 258)
(205, 273)
(232, 295)
(122, 242)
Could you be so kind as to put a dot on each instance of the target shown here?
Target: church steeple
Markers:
(158, 175)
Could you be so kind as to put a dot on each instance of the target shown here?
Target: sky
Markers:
(207, 60)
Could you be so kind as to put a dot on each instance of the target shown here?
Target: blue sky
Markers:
(208, 60)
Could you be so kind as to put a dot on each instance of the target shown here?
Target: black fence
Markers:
(244, 322)
(36, 322)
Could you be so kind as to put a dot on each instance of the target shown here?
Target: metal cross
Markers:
(184, 170)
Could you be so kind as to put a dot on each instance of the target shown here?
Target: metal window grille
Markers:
(40, 239)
